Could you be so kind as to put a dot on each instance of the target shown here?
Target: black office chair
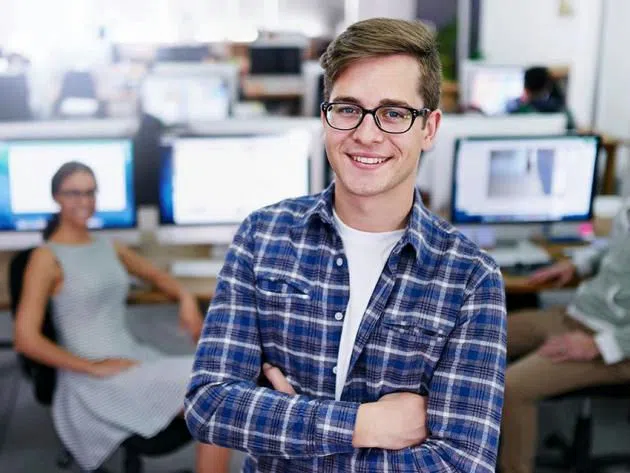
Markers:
(174, 436)
(78, 85)
(577, 455)
(15, 98)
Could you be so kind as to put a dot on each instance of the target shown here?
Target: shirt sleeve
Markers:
(466, 392)
(224, 405)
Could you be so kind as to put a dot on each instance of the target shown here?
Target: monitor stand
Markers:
(200, 267)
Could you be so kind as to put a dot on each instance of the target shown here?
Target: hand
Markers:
(190, 318)
(572, 346)
(395, 421)
(111, 366)
(561, 273)
(277, 379)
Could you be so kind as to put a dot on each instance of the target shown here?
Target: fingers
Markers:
(564, 279)
(277, 379)
(542, 276)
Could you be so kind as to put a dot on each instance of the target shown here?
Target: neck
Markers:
(71, 234)
(376, 214)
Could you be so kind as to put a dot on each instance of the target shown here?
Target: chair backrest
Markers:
(44, 377)
(79, 84)
(15, 98)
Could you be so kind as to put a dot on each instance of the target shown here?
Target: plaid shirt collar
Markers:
(417, 224)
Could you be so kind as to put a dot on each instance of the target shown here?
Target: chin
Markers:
(364, 189)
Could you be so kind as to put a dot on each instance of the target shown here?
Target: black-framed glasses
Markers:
(77, 194)
(388, 118)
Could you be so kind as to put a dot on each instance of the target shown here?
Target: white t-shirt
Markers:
(367, 254)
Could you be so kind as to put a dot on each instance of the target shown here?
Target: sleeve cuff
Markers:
(582, 259)
(335, 426)
(609, 348)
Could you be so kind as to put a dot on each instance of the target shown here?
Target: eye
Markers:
(347, 110)
(394, 113)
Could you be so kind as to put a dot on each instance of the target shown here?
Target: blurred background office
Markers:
(193, 113)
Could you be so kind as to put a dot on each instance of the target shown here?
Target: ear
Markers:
(431, 128)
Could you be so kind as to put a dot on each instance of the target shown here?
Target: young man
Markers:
(586, 344)
(541, 94)
(362, 299)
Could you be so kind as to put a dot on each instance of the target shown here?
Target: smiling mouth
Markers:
(368, 161)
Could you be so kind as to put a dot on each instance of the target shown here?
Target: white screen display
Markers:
(492, 88)
(33, 164)
(522, 180)
(186, 99)
(223, 179)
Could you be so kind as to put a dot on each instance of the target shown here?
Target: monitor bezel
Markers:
(133, 225)
(460, 140)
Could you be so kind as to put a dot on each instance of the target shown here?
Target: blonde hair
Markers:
(377, 37)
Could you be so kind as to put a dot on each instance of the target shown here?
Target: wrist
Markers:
(185, 296)
(363, 435)
(90, 367)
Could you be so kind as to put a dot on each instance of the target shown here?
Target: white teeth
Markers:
(364, 160)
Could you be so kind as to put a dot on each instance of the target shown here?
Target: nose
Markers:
(368, 131)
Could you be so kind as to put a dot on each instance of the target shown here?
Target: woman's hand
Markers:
(111, 366)
(190, 317)
(560, 274)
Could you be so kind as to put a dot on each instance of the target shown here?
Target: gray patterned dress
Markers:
(94, 415)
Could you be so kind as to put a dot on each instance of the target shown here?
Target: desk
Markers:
(203, 288)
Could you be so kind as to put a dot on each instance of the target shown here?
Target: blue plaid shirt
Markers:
(435, 325)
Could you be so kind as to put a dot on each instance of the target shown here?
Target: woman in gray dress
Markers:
(109, 385)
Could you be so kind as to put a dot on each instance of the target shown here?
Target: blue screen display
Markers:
(27, 167)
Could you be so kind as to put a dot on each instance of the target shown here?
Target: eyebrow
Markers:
(392, 102)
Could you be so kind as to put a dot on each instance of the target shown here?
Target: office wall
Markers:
(405, 9)
(613, 110)
(535, 31)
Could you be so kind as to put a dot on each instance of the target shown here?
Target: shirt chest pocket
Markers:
(281, 288)
(413, 344)
(284, 310)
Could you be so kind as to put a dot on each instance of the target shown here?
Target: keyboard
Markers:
(523, 253)
(196, 268)
(523, 269)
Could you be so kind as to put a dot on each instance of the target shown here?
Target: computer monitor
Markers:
(524, 180)
(178, 93)
(490, 87)
(183, 53)
(15, 97)
(26, 170)
(210, 182)
(276, 57)
(436, 164)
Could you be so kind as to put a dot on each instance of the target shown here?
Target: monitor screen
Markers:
(222, 179)
(182, 99)
(275, 59)
(27, 168)
(524, 180)
(491, 88)
(436, 164)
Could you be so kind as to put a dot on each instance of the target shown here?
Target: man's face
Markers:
(368, 161)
